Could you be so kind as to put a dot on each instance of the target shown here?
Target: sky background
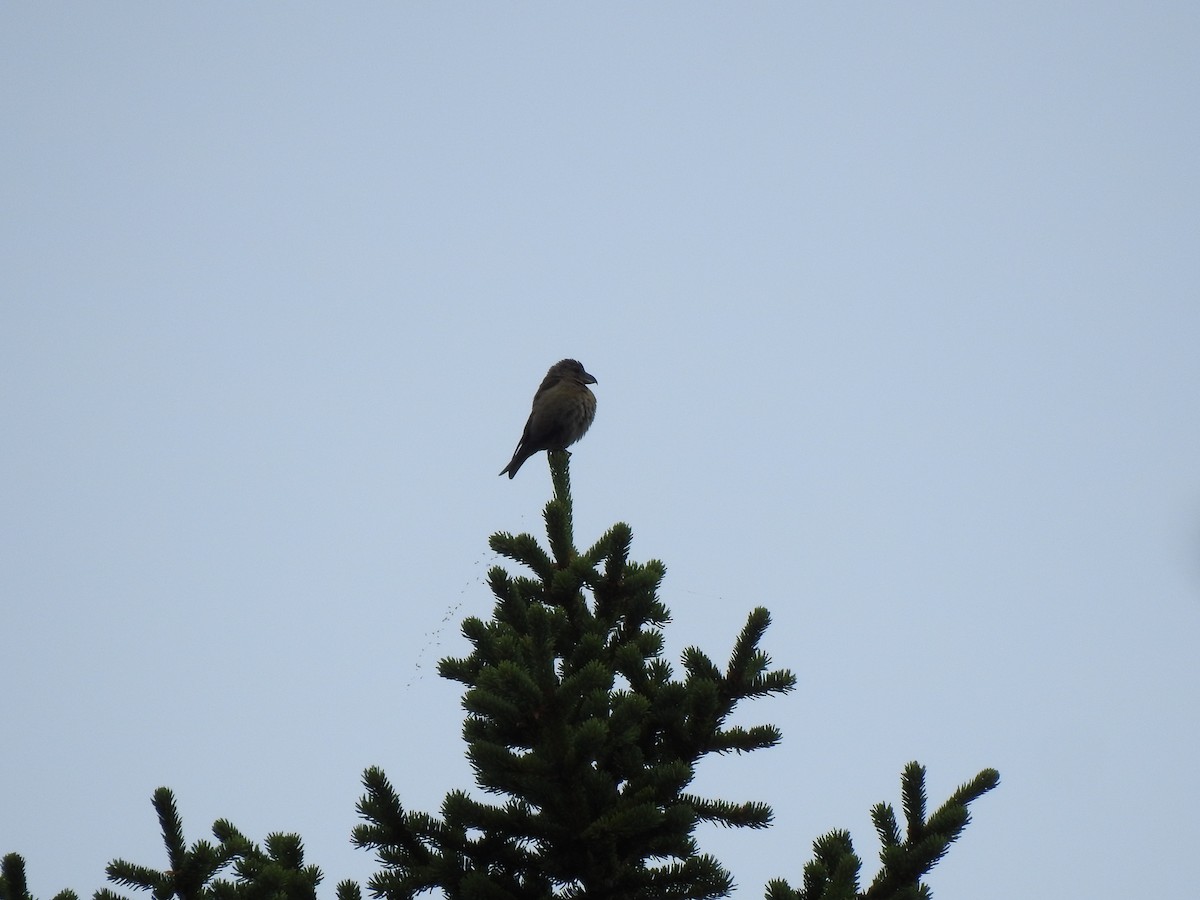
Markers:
(895, 311)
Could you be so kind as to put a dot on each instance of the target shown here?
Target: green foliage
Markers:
(12, 881)
(583, 743)
(575, 720)
(278, 873)
(833, 872)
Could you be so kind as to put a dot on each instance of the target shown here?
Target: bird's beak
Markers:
(589, 379)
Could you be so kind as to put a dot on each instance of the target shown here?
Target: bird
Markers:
(563, 409)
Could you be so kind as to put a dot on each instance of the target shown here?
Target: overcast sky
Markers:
(895, 311)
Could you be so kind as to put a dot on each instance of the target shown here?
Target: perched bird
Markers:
(563, 408)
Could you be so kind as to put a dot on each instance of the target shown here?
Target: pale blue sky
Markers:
(894, 310)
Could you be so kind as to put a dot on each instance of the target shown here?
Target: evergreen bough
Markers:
(580, 730)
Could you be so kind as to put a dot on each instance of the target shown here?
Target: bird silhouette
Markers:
(563, 409)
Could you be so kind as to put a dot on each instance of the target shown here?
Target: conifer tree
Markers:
(576, 719)
(588, 741)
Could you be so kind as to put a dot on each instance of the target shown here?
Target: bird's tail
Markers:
(518, 459)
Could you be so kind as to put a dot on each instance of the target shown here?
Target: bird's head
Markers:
(573, 369)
